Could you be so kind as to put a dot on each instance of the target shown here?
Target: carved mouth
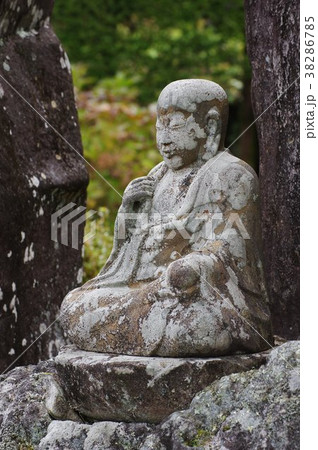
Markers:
(168, 152)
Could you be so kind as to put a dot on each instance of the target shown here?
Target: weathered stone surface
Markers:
(39, 173)
(258, 409)
(185, 274)
(242, 411)
(104, 435)
(272, 33)
(139, 389)
(23, 416)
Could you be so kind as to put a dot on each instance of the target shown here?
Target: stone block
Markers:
(102, 386)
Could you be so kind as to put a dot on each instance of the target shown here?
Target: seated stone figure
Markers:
(185, 274)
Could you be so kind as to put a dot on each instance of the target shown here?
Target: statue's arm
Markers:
(136, 200)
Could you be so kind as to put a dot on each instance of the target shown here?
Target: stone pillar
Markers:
(39, 173)
(272, 33)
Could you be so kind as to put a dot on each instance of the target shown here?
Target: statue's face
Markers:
(179, 137)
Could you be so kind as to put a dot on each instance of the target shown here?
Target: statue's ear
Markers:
(213, 132)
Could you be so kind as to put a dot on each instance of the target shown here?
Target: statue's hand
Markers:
(183, 273)
(138, 190)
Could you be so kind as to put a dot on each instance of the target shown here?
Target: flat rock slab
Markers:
(112, 387)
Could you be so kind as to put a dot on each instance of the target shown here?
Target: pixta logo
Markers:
(66, 222)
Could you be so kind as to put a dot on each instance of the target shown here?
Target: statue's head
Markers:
(191, 121)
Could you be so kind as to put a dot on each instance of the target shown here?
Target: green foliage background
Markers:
(122, 54)
(156, 42)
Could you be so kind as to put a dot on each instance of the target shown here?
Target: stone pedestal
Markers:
(124, 388)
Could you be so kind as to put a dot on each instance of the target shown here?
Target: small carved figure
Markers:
(185, 274)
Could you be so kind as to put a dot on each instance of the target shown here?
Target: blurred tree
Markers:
(160, 41)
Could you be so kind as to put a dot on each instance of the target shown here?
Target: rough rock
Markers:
(103, 435)
(39, 173)
(23, 416)
(258, 409)
(272, 37)
(138, 389)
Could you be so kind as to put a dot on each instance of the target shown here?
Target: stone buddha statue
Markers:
(185, 274)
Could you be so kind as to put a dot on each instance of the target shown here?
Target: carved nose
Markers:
(165, 138)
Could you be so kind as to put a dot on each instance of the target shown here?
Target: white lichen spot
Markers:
(53, 346)
(62, 62)
(153, 325)
(22, 236)
(34, 193)
(43, 176)
(6, 66)
(1, 294)
(121, 319)
(40, 212)
(53, 104)
(10, 132)
(46, 23)
(13, 307)
(5, 308)
(1, 91)
(42, 328)
(9, 254)
(35, 181)
(13, 302)
(20, 32)
(28, 254)
(174, 255)
(14, 287)
(79, 277)
(11, 352)
(243, 335)
(62, 94)
(24, 342)
(37, 14)
(58, 157)
(234, 290)
(65, 62)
